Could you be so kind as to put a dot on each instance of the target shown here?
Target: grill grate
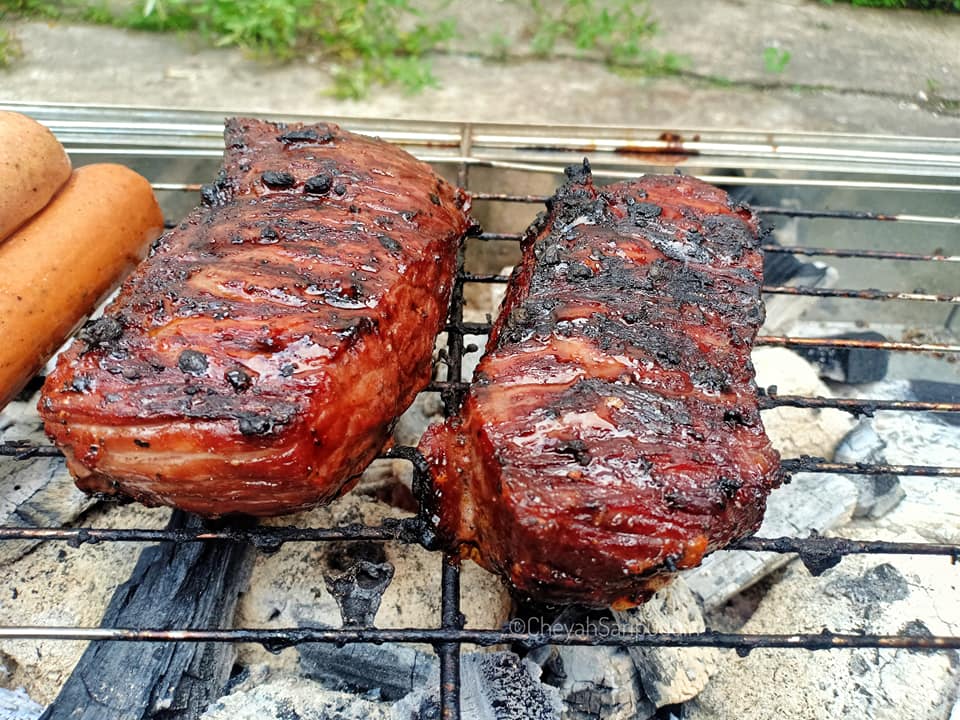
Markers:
(916, 166)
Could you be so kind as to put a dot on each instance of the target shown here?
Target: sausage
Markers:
(56, 268)
(33, 166)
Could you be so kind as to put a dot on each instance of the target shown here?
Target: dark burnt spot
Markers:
(319, 184)
(729, 487)
(238, 379)
(389, 243)
(362, 326)
(674, 500)
(141, 443)
(646, 211)
(576, 449)
(737, 417)
(208, 194)
(269, 236)
(81, 383)
(547, 253)
(192, 362)
(578, 271)
(278, 179)
(254, 424)
(579, 174)
(353, 209)
(156, 246)
(670, 562)
(102, 333)
(305, 135)
(340, 189)
(711, 378)
(217, 192)
(435, 199)
(409, 215)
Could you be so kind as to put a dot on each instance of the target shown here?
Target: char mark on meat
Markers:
(255, 362)
(613, 434)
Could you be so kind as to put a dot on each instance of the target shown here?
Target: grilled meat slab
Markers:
(612, 435)
(256, 361)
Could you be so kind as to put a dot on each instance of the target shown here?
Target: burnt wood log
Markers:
(174, 585)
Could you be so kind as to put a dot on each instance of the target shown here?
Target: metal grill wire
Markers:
(447, 639)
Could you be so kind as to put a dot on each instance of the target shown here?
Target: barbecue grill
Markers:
(896, 187)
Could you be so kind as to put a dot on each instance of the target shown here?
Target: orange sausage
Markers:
(56, 268)
(33, 166)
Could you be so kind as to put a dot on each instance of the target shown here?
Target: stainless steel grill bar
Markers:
(271, 538)
(867, 294)
(25, 451)
(476, 328)
(602, 172)
(279, 638)
(857, 406)
(769, 400)
(799, 250)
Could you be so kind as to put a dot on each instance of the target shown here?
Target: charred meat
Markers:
(612, 434)
(255, 362)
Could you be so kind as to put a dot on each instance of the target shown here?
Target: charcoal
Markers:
(358, 591)
(876, 494)
(669, 675)
(598, 683)
(815, 501)
(38, 492)
(851, 365)
(174, 585)
(933, 391)
(493, 686)
(390, 669)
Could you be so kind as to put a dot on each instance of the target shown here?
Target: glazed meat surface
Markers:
(612, 435)
(256, 361)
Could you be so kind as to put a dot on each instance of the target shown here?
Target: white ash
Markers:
(890, 595)
(56, 585)
(33, 493)
(669, 675)
(17, 705)
(599, 683)
(288, 590)
(811, 502)
(294, 698)
(798, 431)
(875, 594)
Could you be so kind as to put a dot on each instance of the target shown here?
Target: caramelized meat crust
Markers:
(256, 361)
(612, 435)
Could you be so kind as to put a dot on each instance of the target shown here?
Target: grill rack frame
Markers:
(90, 131)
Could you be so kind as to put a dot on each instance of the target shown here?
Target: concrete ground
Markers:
(850, 70)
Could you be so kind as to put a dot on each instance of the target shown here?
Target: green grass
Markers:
(368, 42)
(9, 48)
(775, 60)
(618, 31)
